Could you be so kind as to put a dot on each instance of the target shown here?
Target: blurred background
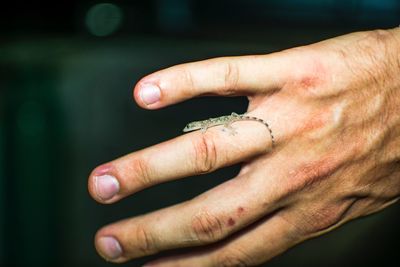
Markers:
(66, 75)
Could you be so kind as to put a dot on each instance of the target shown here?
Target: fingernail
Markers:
(102, 169)
(150, 93)
(109, 247)
(107, 186)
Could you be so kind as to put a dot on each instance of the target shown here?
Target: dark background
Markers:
(66, 75)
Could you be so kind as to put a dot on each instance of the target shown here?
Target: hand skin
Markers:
(334, 108)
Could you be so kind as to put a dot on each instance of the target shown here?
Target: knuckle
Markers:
(231, 78)
(318, 220)
(309, 175)
(141, 170)
(205, 157)
(206, 227)
(314, 75)
(324, 218)
(188, 78)
(233, 258)
(145, 241)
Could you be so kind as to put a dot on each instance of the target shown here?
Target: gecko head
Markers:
(192, 126)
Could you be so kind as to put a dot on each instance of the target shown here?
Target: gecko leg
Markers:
(203, 129)
(228, 126)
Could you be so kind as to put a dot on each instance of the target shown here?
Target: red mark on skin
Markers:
(240, 211)
(310, 78)
(231, 222)
(316, 121)
(308, 82)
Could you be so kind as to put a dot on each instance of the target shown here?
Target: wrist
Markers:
(396, 58)
(395, 33)
(393, 147)
(387, 46)
(381, 50)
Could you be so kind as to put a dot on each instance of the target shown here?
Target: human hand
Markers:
(334, 110)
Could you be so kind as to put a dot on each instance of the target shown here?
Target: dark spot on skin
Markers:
(240, 210)
(231, 222)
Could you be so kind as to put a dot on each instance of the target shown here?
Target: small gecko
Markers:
(226, 121)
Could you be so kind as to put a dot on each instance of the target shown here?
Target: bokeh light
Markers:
(104, 19)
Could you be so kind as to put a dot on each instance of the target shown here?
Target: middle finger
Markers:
(191, 154)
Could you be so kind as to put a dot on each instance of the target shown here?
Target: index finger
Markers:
(226, 76)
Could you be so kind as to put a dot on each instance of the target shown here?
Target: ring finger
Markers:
(203, 220)
(191, 154)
